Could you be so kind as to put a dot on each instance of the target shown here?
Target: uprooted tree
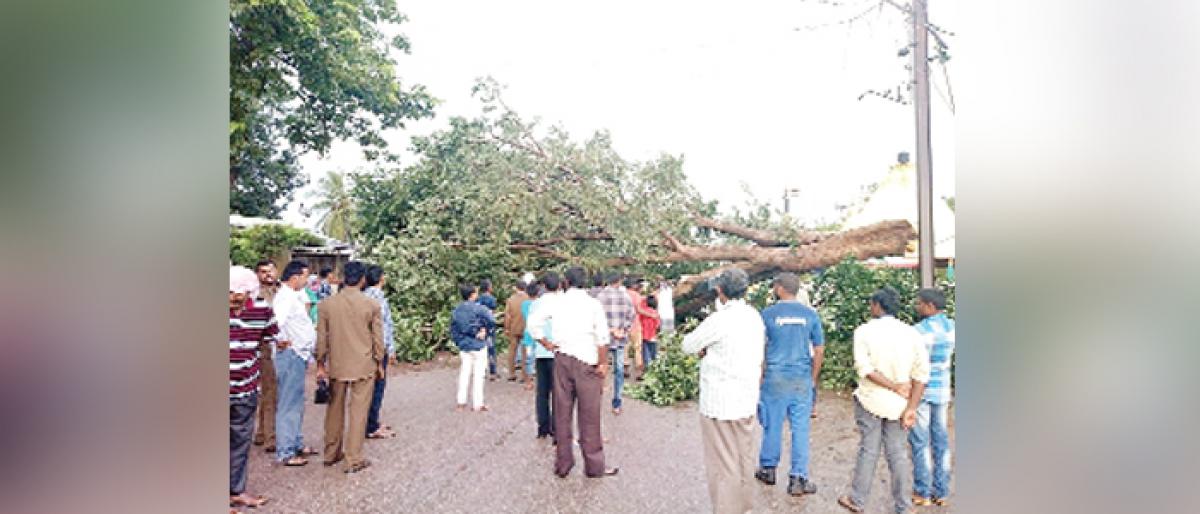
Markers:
(497, 195)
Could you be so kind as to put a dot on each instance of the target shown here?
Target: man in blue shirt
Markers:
(487, 299)
(938, 333)
(794, 354)
(470, 324)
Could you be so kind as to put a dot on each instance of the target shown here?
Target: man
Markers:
(730, 345)
(666, 306)
(469, 325)
(514, 328)
(633, 288)
(265, 417)
(793, 330)
(937, 331)
(325, 288)
(487, 299)
(620, 315)
(892, 367)
(375, 282)
(251, 325)
(543, 357)
(292, 351)
(598, 284)
(350, 353)
(579, 328)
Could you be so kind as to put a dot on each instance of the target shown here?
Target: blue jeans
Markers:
(649, 352)
(491, 346)
(931, 425)
(289, 406)
(377, 400)
(618, 373)
(785, 395)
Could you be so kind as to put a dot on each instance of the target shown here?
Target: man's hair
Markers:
(374, 275)
(631, 281)
(533, 289)
(652, 301)
(261, 264)
(598, 279)
(551, 280)
(733, 282)
(353, 272)
(932, 296)
(292, 269)
(576, 277)
(485, 285)
(325, 272)
(466, 290)
(888, 299)
(788, 281)
(612, 277)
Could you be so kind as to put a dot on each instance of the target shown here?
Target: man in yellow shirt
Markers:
(893, 368)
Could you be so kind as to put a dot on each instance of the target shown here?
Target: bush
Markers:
(418, 339)
(248, 246)
(674, 376)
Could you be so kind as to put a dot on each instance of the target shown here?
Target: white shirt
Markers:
(577, 324)
(731, 370)
(294, 323)
(666, 304)
(895, 350)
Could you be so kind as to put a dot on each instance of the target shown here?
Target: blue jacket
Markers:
(465, 322)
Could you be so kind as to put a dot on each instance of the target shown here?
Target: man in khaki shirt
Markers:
(893, 367)
(350, 353)
(514, 327)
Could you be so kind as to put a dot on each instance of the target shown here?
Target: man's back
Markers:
(895, 350)
(465, 322)
(792, 329)
(350, 334)
(514, 317)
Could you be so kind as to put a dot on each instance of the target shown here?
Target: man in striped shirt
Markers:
(620, 312)
(937, 331)
(251, 323)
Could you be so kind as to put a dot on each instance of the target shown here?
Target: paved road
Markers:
(449, 462)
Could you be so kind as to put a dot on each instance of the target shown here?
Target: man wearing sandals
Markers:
(932, 415)
(251, 323)
(297, 336)
(375, 282)
(350, 353)
(892, 367)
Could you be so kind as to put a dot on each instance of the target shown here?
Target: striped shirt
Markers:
(733, 339)
(618, 308)
(937, 332)
(385, 310)
(247, 329)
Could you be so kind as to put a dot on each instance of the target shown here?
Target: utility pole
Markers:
(920, 17)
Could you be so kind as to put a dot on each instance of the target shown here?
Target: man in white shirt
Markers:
(580, 334)
(893, 367)
(297, 339)
(666, 306)
(730, 343)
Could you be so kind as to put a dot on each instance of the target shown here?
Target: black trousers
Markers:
(241, 430)
(377, 401)
(545, 386)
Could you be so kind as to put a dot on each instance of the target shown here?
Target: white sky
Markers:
(741, 94)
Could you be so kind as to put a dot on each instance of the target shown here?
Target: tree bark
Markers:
(758, 236)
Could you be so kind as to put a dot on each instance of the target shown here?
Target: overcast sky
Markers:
(739, 92)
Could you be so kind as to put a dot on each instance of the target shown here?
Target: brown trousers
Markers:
(729, 463)
(515, 349)
(264, 431)
(357, 394)
(576, 382)
(633, 351)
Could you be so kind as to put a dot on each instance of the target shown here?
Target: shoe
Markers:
(765, 475)
(799, 486)
(940, 502)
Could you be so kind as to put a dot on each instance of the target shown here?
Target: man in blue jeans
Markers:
(787, 387)
(294, 348)
(375, 282)
(621, 315)
(937, 331)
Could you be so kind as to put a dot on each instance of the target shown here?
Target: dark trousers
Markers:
(491, 358)
(576, 383)
(377, 401)
(545, 385)
(241, 429)
(649, 352)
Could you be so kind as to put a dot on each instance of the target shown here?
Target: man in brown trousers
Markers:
(514, 327)
(264, 432)
(350, 353)
(579, 337)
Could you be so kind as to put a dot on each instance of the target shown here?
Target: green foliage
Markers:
(303, 74)
(841, 296)
(418, 339)
(673, 376)
(248, 246)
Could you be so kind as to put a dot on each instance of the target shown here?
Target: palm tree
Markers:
(333, 198)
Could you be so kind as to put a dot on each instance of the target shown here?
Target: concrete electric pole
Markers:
(920, 16)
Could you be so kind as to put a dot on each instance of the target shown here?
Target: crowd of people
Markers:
(567, 333)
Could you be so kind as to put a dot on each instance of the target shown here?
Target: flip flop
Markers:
(308, 452)
(849, 504)
(364, 464)
(252, 502)
(296, 462)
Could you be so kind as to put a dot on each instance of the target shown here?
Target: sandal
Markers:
(849, 504)
(921, 501)
(382, 433)
(940, 502)
(247, 501)
(364, 464)
(296, 461)
(308, 452)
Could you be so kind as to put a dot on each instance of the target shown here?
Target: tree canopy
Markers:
(303, 74)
